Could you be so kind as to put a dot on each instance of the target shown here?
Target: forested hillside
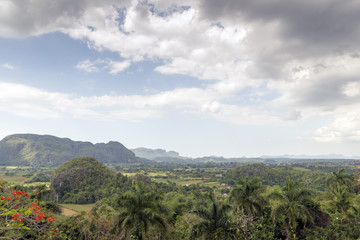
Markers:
(160, 155)
(31, 149)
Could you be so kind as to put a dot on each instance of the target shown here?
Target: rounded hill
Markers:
(79, 180)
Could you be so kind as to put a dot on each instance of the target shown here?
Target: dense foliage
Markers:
(191, 201)
(46, 150)
(24, 217)
(84, 180)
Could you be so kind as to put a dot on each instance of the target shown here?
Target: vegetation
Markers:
(24, 217)
(31, 149)
(84, 180)
(215, 221)
(182, 201)
(139, 210)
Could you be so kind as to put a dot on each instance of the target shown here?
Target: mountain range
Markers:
(32, 149)
(159, 155)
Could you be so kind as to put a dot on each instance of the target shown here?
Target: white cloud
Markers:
(307, 52)
(352, 89)
(212, 107)
(345, 128)
(117, 67)
(8, 66)
(30, 102)
(101, 64)
(89, 66)
(19, 19)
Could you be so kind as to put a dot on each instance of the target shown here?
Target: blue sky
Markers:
(230, 78)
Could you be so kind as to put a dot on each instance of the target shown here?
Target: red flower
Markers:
(41, 216)
(50, 219)
(15, 216)
(2, 198)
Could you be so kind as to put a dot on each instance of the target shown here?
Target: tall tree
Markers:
(341, 200)
(139, 209)
(249, 203)
(215, 223)
(292, 207)
(248, 199)
(339, 178)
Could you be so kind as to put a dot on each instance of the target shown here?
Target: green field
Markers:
(79, 207)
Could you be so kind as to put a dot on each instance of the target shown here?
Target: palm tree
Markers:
(248, 199)
(292, 206)
(339, 178)
(215, 222)
(140, 209)
(341, 199)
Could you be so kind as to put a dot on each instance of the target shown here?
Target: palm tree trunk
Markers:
(288, 233)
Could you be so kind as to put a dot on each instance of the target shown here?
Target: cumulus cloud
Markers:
(28, 102)
(117, 67)
(19, 19)
(300, 54)
(345, 128)
(35, 103)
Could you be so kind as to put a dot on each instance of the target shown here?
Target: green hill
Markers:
(83, 180)
(158, 155)
(31, 149)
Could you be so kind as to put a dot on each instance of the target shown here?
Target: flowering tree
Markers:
(23, 217)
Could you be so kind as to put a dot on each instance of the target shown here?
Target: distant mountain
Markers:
(31, 149)
(328, 156)
(159, 155)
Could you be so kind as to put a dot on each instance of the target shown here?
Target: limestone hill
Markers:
(31, 149)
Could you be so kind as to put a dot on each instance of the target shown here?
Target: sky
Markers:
(227, 78)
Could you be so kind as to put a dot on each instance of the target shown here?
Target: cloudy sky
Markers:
(203, 77)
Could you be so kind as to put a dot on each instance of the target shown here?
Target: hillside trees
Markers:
(215, 221)
(248, 201)
(84, 180)
(340, 178)
(138, 211)
(292, 207)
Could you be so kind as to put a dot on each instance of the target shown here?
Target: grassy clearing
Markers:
(302, 169)
(20, 180)
(155, 174)
(68, 212)
(129, 174)
(16, 167)
(189, 182)
(17, 180)
(78, 207)
(211, 184)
